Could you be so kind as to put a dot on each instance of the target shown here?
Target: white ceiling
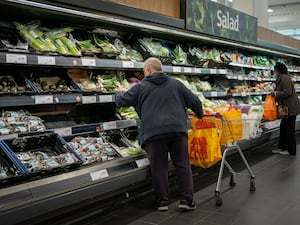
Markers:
(285, 15)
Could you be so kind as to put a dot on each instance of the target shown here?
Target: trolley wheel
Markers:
(218, 198)
(252, 185)
(232, 181)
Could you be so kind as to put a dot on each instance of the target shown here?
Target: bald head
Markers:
(152, 65)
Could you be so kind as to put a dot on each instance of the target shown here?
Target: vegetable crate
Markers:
(149, 47)
(10, 167)
(49, 81)
(126, 143)
(44, 153)
(94, 148)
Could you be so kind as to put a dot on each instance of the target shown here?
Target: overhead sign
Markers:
(212, 18)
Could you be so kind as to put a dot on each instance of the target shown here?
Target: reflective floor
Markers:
(276, 200)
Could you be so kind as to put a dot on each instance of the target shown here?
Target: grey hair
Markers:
(153, 63)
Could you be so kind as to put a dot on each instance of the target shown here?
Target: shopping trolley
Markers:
(231, 131)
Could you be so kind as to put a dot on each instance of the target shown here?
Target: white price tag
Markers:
(142, 162)
(176, 69)
(240, 77)
(16, 58)
(97, 175)
(88, 99)
(214, 93)
(110, 125)
(213, 71)
(187, 69)
(46, 60)
(8, 136)
(105, 98)
(197, 70)
(43, 99)
(223, 71)
(66, 131)
(244, 94)
(127, 64)
(88, 62)
(259, 79)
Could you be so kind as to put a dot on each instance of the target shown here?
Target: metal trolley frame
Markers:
(227, 130)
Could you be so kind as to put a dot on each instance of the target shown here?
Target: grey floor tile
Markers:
(178, 220)
(156, 217)
(220, 218)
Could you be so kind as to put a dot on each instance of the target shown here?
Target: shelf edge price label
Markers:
(127, 64)
(43, 99)
(110, 125)
(213, 71)
(187, 69)
(100, 174)
(240, 77)
(142, 162)
(8, 136)
(259, 79)
(222, 71)
(197, 70)
(176, 69)
(88, 99)
(65, 131)
(105, 98)
(88, 62)
(16, 58)
(244, 94)
(214, 94)
(46, 60)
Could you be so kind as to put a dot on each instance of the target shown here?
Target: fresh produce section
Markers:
(74, 142)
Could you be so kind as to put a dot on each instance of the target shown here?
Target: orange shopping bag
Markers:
(204, 144)
(270, 110)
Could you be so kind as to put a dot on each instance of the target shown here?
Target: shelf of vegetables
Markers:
(92, 63)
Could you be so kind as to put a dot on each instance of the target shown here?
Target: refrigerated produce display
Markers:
(63, 141)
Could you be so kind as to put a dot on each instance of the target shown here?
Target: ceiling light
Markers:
(270, 10)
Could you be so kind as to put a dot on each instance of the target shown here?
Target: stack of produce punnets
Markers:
(93, 149)
(19, 121)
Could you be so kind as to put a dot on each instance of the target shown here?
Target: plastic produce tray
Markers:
(85, 42)
(53, 81)
(10, 41)
(140, 45)
(10, 168)
(44, 153)
(12, 83)
(94, 148)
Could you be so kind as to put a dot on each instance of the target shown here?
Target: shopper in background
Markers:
(161, 103)
(286, 95)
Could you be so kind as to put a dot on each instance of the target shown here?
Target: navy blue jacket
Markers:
(161, 103)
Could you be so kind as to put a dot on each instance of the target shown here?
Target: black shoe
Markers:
(162, 206)
(187, 205)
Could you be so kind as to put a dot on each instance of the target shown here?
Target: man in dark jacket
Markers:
(161, 103)
(286, 96)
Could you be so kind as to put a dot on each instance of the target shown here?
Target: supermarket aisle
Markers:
(275, 202)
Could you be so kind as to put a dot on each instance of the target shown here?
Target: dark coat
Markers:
(286, 95)
(161, 102)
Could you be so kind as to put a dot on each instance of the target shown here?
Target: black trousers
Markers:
(158, 156)
(287, 139)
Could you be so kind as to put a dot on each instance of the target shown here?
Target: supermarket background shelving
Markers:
(28, 192)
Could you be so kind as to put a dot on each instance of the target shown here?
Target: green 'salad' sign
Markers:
(209, 17)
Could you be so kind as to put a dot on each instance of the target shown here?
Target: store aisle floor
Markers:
(276, 200)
